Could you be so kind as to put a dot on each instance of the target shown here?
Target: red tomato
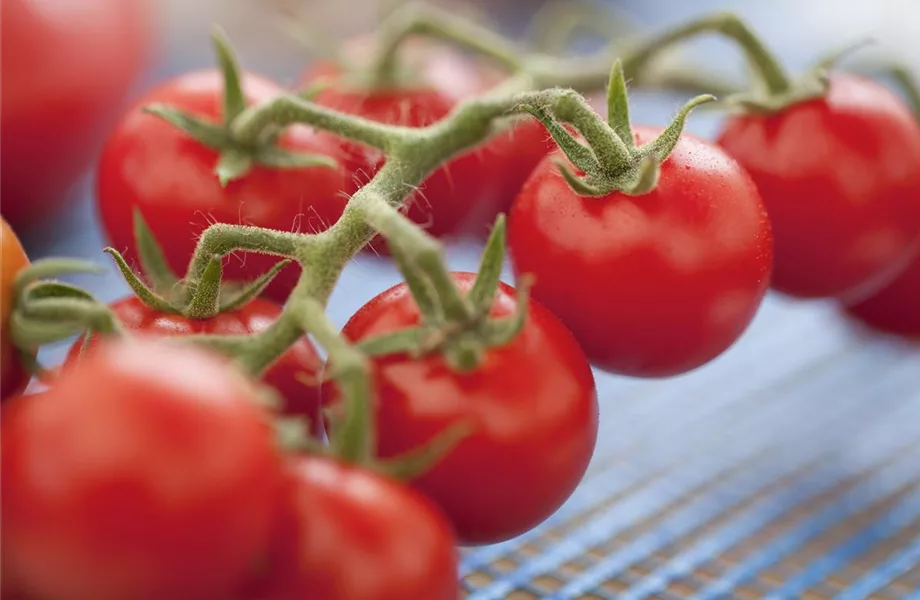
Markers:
(840, 178)
(255, 317)
(81, 59)
(896, 308)
(348, 534)
(655, 285)
(532, 406)
(147, 472)
(152, 166)
(465, 195)
(13, 378)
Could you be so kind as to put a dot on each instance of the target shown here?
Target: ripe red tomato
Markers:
(348, 534)
(839, 176)
(82, 59)
(465, 195)
(13, 378)
(146, 472)
(532, 406)
(256, 316)
(150, 165)
(896, 308)
(653, 285)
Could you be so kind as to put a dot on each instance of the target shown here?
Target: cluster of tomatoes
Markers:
(150, 470)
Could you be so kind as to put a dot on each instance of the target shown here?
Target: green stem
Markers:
(771, 73)
(221, 239)
(417, 19)
(354, 441)
(289, 109)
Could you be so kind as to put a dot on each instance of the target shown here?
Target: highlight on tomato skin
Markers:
(531, 404)
(166, 478)
(13, 376)
(654, 285)
(839, 179)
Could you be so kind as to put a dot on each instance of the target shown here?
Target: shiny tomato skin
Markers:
(147, 472)
(654, 285)
(82, 59)
(348, 534)
(13, 377)
(840, 178)
(896, 308)
(256, 316)
(532, 405)
(150, 165)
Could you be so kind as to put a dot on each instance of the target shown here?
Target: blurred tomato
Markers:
(66, 65)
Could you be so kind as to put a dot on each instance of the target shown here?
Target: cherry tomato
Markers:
(654, 285)
(896, 308)
(150, 165)
(299, 398)
(147, 472)
(839, 176)
(82, 59)
(13, 378)
(348, 534)
(531, 404)
(465, 195)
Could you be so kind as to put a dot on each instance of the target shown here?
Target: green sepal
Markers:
(163, 280)
(580, 155)
(52, 267)
(499, 332)
(210, 134)
(140, 289)
(408, 341)
(483, 291)
(279, 158)
(618, 106)
(234, 100)
(232, 165)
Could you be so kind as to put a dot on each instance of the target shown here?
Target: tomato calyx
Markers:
(236, 157)
(463, 332)
(201, 297)
(46, 310)
(611, 161)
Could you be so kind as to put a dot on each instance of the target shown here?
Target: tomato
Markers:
(147, 472)
(13, 378)
(840, 178)
(348, 534)
(654, 285)
(465, 195)
(66, 67)
(254, 317)
(896, 308)
(148, 164)
(531, 404)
